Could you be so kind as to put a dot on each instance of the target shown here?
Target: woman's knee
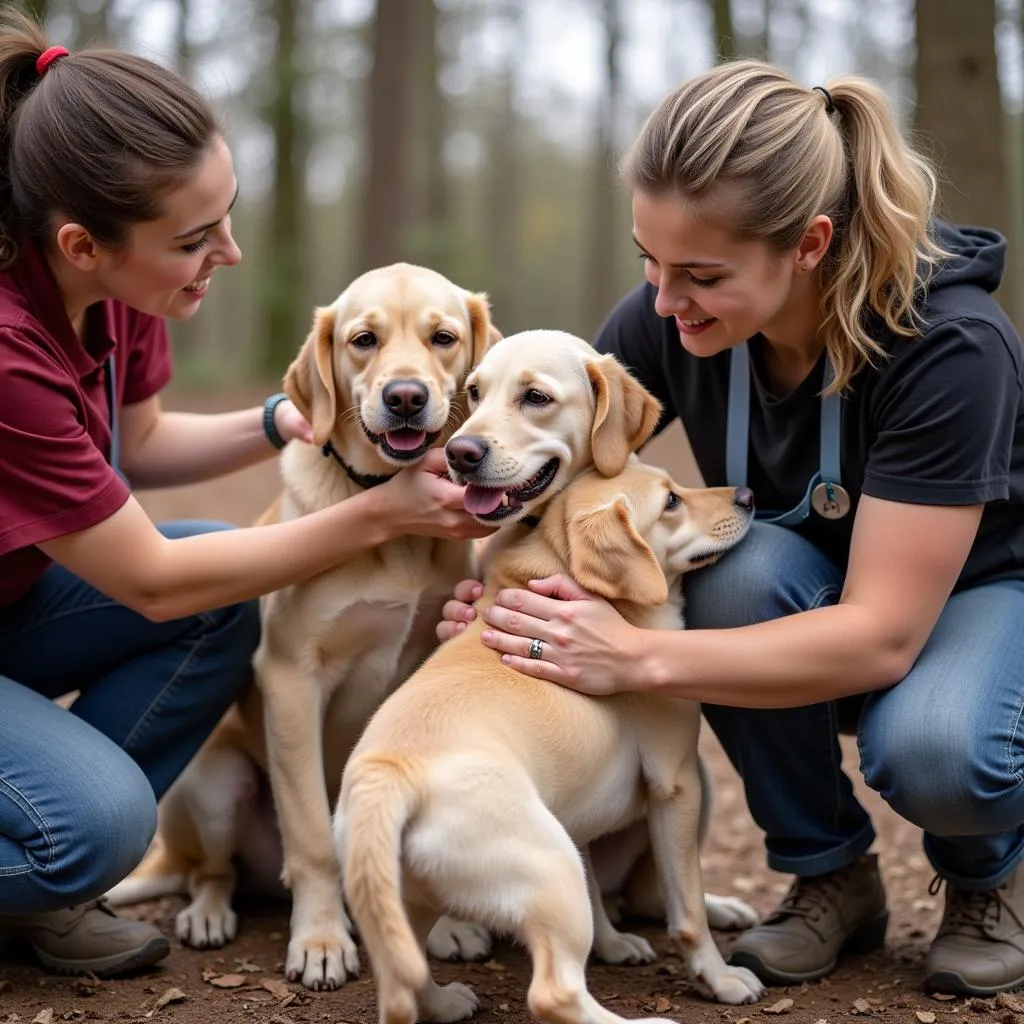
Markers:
(940, 772)
(96, 834)
(772, 572)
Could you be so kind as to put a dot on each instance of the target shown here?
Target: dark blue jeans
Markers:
(78, 788)
(944, 747)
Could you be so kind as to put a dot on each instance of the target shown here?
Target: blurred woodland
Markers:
(481, 137)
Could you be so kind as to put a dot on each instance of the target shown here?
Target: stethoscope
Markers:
(825, 493)
(115, 426)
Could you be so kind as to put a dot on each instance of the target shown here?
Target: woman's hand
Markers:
(291, 424)
(459, 611)
(586, 644)
(422, 500)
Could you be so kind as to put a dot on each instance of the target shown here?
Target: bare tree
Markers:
(959, 108)
(504, 196)
(283, 296)
(600, 277)
(725, 36)
(387, 179)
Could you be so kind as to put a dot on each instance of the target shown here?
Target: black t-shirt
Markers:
(940, 421)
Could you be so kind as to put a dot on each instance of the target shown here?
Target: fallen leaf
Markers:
(925, 1016)
(945, 997)
(209, 972)
(662, 1005)
(172, 995)
(288, 1000)
(278, 989)
(246, 966)
(228, 981)
(493, 965)
(87, 986)
(44, 1016)
(1008, 1002)
(861, 1006)
(782, 1006)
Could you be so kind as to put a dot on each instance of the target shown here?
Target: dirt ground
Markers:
(244, 983)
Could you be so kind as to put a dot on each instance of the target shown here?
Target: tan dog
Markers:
(474, 788)
(379, 378)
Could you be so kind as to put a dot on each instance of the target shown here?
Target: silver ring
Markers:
(536, 648)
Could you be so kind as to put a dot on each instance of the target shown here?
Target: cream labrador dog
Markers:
(380, 378)
(474, 788)
(545, 407)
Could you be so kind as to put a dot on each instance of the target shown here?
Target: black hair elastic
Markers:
(830, 107)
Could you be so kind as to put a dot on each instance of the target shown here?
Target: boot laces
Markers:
(812, 898)
(970, 910)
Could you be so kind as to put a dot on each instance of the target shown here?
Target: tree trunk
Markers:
(283, 296)
(387, 179)
(182, 46)
(725, 36)
(504, 190)
(600, 278)
(959, 109)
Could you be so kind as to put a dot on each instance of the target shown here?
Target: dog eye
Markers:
(365, 339)
(445, 339)
(535, 397)
(473, 391)
(673, 501)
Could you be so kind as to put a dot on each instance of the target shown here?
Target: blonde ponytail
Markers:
(748, 123)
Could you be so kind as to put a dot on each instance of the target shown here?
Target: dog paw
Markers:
(735, 985)
(726, 913)
(444, 1004)
(459, 940)
(206, 924)
(624, 948)
(321, 963)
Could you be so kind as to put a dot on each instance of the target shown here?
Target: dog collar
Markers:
(364, 480)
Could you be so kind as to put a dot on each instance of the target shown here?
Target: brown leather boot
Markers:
(818, 918)
(89, 939)
(979, 947)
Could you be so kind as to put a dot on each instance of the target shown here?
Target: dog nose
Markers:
(743, 498)
(405, 397)
(466, 454)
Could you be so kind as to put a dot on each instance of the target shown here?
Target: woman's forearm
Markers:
(185, 448)
(801, 659)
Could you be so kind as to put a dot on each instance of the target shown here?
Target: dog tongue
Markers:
(481, 501)
(405, 440)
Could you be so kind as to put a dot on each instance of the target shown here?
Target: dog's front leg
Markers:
(611, 945)
(320, 950)
(674, 821)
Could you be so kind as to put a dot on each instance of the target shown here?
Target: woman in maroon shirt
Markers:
(115, 207)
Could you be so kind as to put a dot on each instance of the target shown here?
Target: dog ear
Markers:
(485, 334)
(309, 381)
(625, 417)
(607, 556)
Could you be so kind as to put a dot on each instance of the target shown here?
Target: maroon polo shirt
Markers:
(54, 417)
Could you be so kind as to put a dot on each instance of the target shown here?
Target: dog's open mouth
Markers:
(402, 443)
(492, 504)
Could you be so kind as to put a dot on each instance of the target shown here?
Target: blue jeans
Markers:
(944, 747)
(78, 789)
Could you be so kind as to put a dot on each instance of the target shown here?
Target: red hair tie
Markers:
(47, 57)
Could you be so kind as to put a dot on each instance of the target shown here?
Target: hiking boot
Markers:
(818, 918)
(979, 947)
(89, 939)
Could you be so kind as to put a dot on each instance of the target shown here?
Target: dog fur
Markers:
(474, 788)
(334, 647)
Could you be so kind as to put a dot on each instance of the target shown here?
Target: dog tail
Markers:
(159, 874)
(379, 796)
